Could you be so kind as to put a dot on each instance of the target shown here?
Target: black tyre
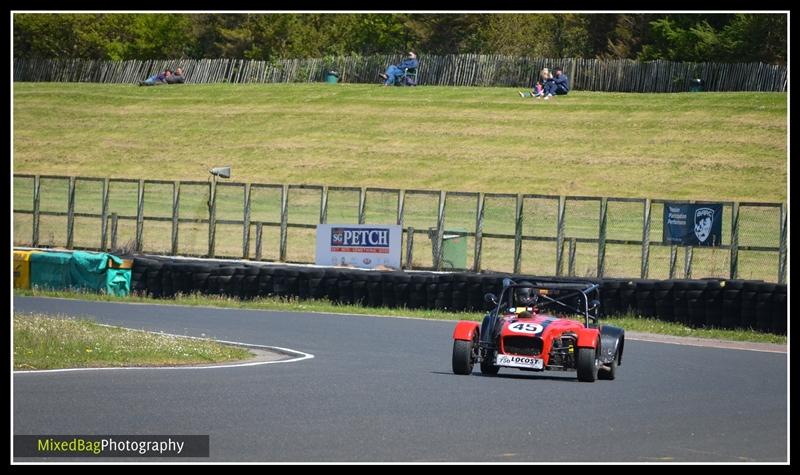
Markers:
(345, 289)
(588, 364)
(487, 364)
(609, 373)
(464, 353)
(359, 288)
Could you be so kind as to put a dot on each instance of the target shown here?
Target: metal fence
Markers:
(520, 233)
(615, 75)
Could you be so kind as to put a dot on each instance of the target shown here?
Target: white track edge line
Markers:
(287, 351)
(720, 346)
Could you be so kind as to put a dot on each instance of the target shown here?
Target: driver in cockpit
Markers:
(525, 299)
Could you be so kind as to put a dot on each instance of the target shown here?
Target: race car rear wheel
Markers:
(464, 355)
(487, 364)
(588, 364)
(609, 373)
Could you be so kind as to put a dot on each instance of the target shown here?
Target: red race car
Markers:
(523, 332)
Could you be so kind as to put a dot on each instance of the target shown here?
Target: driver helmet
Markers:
(525, 296)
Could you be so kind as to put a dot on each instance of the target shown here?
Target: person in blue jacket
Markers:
(156, 79)
(558, 86)
(393, 72)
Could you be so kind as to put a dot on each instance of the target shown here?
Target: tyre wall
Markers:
(708, 302)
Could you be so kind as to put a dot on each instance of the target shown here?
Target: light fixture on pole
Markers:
(223, 172)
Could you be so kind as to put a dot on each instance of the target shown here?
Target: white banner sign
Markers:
(360, 245)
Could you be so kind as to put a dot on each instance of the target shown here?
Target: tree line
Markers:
(751, 37)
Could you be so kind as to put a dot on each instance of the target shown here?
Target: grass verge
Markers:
(630, 322)
(50, 342)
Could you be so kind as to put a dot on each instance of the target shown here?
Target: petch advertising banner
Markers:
(693, 224)
(360, 245)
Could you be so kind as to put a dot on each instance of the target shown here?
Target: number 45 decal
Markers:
(526, 328)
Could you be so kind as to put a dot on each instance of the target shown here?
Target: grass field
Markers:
(716, 146)
(692, 146)
(48, 342)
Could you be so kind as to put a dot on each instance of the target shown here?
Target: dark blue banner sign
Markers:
(693, 224)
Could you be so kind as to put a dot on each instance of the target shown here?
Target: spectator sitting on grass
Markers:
(157, 79)
(558, 86)
(538, 89)
(176, 77)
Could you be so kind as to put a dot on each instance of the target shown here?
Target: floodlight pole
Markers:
(212, 215)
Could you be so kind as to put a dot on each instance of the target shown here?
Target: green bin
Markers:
(331, 77)
(696, 85)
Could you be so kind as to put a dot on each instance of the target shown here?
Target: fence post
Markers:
(476, 265)
(782, 253)
(70, 211)
(284, 218)
(114, 222)
(673, 260)
(323, 206)
(362, 200)
(646, 239)
(440, 230)
(401, 195)
(259, 230)
(572, 247)
(560, 235)
(176, 201)
(409, 248)
(104, 215)
(601, 242)
(246, 224)
(401, 198)
(734, 264)
(212, 215)
(687, 262)
(518, 235)
(139, 215)
(36, 188)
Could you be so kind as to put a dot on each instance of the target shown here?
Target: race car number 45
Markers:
(519, 327)
(519, 361)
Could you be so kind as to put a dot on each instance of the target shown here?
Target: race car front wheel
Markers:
(588, 364)
(464, 355)
(487, 364)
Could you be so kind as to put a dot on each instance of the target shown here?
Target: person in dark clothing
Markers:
(176, 77)
(558, 86)
(394, 72)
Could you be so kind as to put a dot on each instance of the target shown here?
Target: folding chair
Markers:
(409, 78)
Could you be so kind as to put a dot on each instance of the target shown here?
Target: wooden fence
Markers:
(548, 226)
(620, 75)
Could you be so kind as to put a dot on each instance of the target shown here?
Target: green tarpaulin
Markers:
(79, 270)
(50, 270)
(118, 281)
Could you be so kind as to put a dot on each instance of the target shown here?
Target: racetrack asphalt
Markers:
(381, 389)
